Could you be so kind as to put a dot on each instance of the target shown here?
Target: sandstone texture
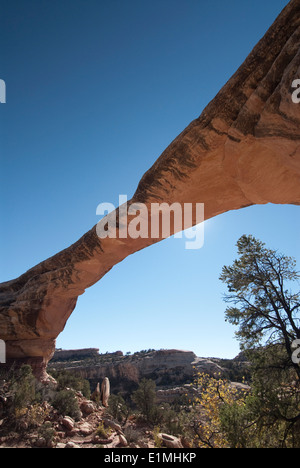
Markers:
(244, 149)
(170, 441)
(105, 392)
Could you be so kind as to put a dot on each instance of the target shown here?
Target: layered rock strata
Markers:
(167, 367)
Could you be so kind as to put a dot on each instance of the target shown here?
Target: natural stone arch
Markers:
(244, 149)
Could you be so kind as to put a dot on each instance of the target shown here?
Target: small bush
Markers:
(157, 440)
(47, 432)
(118, 408)
(65, 402)
(173, 422)
(66, 379)
(17, 392)
(30, 417)
(145, 399)
(102, 432)
(132, 435)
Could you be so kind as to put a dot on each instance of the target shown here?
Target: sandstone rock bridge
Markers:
(244, 149)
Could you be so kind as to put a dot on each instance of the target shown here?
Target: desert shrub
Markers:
(47, 432)
(205, 419)
(174, 422)
(23, 387)
(145, 400)
(31, 417)
(157, 439)
(132, 435)
(118, 408)
(17, 390)
(65, 402)
(66, 379)
(102, 432)
(19, 399)
(270, 416)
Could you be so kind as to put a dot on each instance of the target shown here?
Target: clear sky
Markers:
(96, 90)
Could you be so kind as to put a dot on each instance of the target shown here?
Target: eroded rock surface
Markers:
(244, 149)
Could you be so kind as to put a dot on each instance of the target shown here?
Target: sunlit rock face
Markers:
(244, 149)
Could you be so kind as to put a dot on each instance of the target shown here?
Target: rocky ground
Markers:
(42, 425)
(95, 429)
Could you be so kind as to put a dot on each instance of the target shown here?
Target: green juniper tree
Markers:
(263, 308)
(145, 399)
(266, 310)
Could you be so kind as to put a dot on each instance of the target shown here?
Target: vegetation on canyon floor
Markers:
(218, 415)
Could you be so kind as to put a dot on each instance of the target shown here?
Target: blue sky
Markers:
(96, 90)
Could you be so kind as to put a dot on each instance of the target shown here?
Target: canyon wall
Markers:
(169, 368)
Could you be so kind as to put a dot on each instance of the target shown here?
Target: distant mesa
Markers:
(80, 354)
(75, 354)
(169, 368)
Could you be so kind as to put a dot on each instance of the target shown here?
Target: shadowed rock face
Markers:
(244, 149)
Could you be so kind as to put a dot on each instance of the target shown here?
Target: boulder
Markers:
(68, 423)
(60, 445)
(122, 441)
(87, 407)
(112, 425)
(170, 441)
(85, 429)
(72, 445)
